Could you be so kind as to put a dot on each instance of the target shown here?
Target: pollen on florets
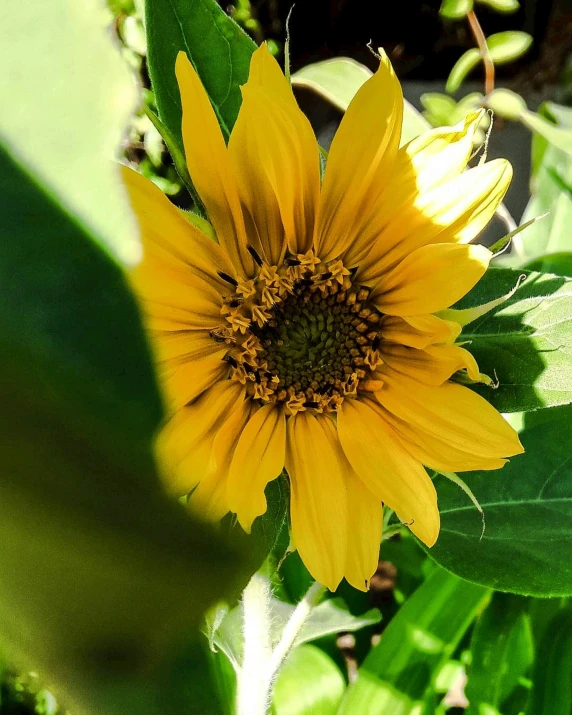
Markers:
(301, 334)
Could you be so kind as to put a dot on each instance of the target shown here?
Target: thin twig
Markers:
(481, 41)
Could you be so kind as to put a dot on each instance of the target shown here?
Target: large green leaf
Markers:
(102, 574)
(66, 97)
(309, 683)
(552, 676)
(217, 47)
(526, 342)
(502, 652)
(397, 673)
(528, 511)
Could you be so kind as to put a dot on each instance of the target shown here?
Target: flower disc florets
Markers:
(302, 334)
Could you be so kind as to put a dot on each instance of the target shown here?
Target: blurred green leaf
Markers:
(439, 108)
(527, 505)
(557, 263)
(216, 46)
(551, 235)
(508, 46)
(559, 137)
(455, 9)
(506, 103)
(552, 676)
(103, 576)
(338, 80)
(309, 683)
(63, 119)
(525, 343)
(397, 673)
(504, 6)
(502, 651)
(465, 64)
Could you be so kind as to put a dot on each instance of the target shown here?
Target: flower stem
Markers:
(254, 679)
(481, 40)
(261, 664)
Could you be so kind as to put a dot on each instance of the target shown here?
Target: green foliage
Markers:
(218, 49)
(502, 651)
(528, 512)
(525, 342)
(398, 673)
(552, 677)
(455, 9)
(309, 682)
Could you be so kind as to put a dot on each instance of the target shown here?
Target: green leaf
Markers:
(216, 46)
(397, 673)
(101, 571)
(308, 682)
(329, 617)
(551, 235)
(528, 511)
(455, 9)
(508, 46)
(338, 80)
(552, 676)
(558, 263)
(502, 651)
(557, 136)
(525, 342)
(504, 6)
(506, 103)
(45, 122)
(462, 67)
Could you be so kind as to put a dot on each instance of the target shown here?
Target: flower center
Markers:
(301, 334)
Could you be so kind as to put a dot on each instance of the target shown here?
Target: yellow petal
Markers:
(185, 443)
(257, 460)
(455, 211)
(169, 237)
(359, 165)
(452, 413)
(431, 278)
(437, 453)
(387, 469)
(318, 502)
(275, 155)
(186, 380)
(183, 346)
(433, 366)
(209, 500)
(172, 291)
(210, 167)
(419, 331)
(428, 161)
(365, 517)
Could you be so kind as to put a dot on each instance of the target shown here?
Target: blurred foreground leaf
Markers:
(102, 575)
(398, 673)
(527, 505)
(216, 46)
(526, 342)
(66, 96)
(552, 676)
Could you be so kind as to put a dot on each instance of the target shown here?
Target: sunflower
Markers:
(306, 335)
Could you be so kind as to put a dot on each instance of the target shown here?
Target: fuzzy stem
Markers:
(254, 679)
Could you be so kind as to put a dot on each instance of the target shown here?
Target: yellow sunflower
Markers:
(305, 336)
